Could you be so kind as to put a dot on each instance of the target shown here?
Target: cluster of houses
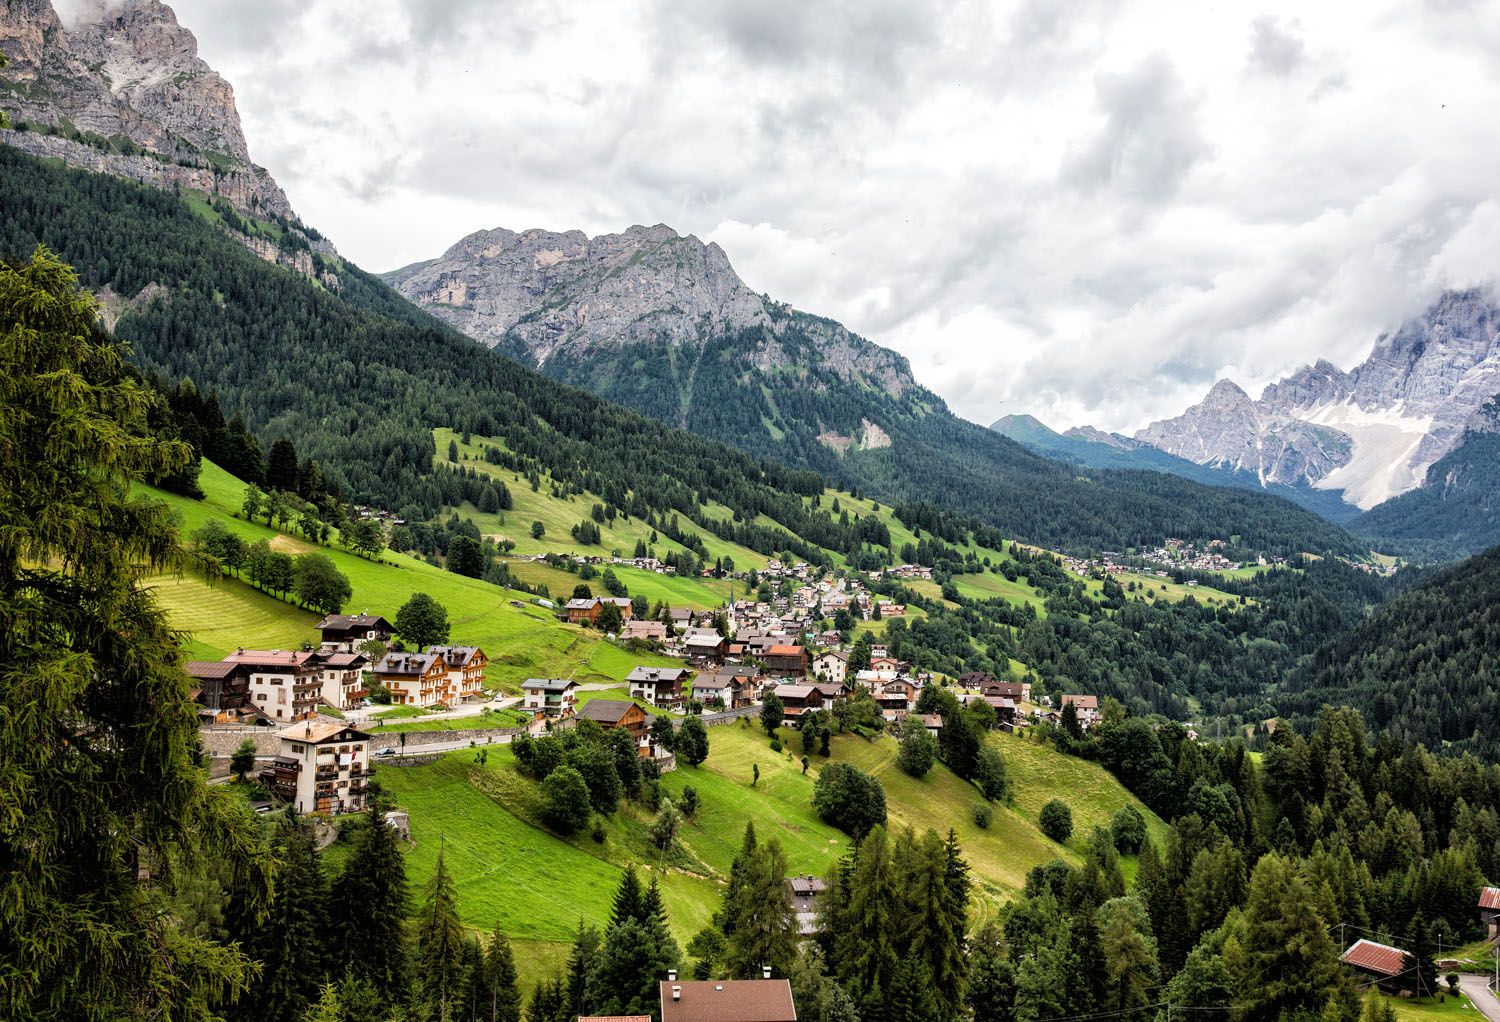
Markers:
(282, 686)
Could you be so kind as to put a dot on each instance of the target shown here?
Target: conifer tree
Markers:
(290, 943)
(865, 957)
(369, 907)
(765, 930)
(500, 997)
(728, 919)
(580, 961)
(629, 902)
(440, 938)
(1289, 958)
(97, 780)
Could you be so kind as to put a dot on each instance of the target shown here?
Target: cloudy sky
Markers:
(1084, 210)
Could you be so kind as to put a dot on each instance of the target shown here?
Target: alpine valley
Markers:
(559, 630)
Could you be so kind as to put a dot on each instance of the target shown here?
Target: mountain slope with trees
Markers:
(1425, 667)
(359, 377)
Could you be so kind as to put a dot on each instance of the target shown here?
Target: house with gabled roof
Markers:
(659, 686)
(620, 714)
(465, 666)
(346, 632)
(415, 679)
(1381, 966)
(284, 685)
(556, 697)
(322, 766)
(1489, 909)
(727, 1000)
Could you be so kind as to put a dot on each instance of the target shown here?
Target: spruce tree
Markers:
(290, 943)
(765, 929)
(440, 938)
(728, 918)
(580, 961)
(500, 996)
(865, 956)
(369, 906)
(629, 903)
(98, 780)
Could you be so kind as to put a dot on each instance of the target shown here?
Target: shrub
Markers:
(776, 745)
(565, 800)
(1057, 820)
(849, 799)
(598, 832)
(983, 814)
(1129, 830)
(991, 776)
(689, 801)
(918, 747)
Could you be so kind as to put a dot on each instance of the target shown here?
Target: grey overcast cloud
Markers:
(1083, 210)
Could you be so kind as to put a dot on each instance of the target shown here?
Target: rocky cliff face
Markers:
(546, 296)
(1372, 432)
(122, 91)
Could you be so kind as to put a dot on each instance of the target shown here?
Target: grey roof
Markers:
(606, 711)
(550, 684)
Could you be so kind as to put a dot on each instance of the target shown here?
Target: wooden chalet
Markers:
(648, 631)
(588, 611)
(1489, 909)
(798, 699)
(465, 666)
(221, 688)
(787, 659)
(415, 679)
(622, 714)
(1087, 708)
(346, 632)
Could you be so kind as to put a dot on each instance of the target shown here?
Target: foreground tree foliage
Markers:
(100, 794)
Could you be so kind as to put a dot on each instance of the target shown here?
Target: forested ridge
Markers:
(1425, 667)
(359, 377)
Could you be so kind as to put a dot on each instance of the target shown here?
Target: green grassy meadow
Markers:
(522, 642)
(538, 885)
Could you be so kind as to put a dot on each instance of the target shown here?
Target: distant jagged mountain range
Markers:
(1371, 433)
(1094, 448)
(1411, 435)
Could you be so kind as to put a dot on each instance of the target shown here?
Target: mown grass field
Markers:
(694, 593)
(538, 885)
(1446, 1007)
(559, 515)
(522, 642)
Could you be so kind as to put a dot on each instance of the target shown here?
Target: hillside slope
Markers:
(1426, 665)
(359, 377)
(508, 866)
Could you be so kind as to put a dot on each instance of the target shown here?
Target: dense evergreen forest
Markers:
(359, 377)
(1426, 667)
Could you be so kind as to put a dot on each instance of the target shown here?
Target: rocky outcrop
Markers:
(1372, 432)
(549, 295)
(122, 91)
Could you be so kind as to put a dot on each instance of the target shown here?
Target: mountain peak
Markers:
(121, 89)
(1372, 432)
(1022, 427)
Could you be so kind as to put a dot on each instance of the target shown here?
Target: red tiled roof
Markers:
(728, 1000)
(1490, 898)
(614, 1018)
(784, 651)
(1373, 957)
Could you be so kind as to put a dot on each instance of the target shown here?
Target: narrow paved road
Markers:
(1479, 995)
